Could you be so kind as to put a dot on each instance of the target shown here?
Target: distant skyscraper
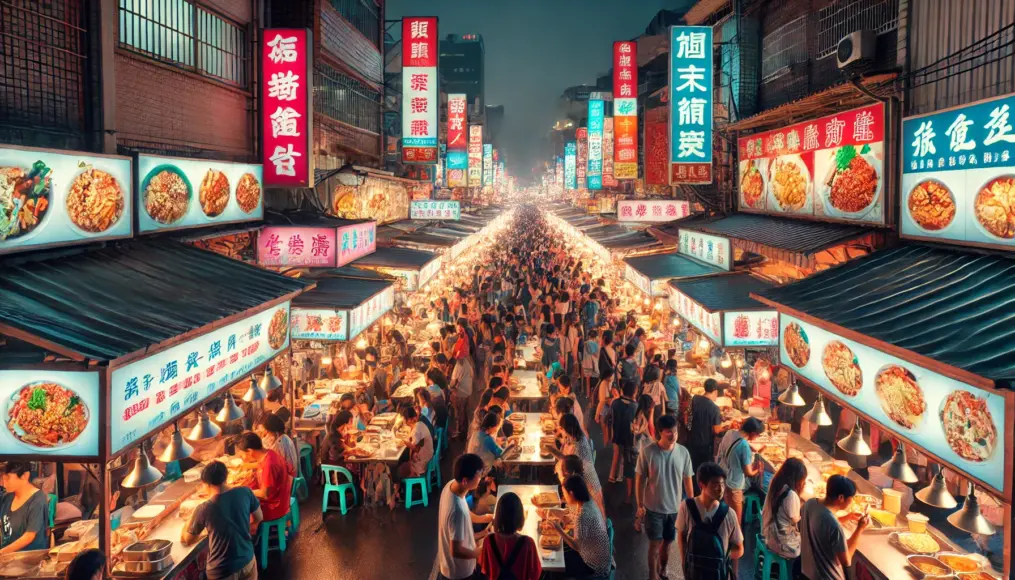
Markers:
(463, 69)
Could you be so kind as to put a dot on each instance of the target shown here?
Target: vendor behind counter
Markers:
(23, 511)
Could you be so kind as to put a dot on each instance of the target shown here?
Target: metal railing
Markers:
(345, 99)
(363, 14)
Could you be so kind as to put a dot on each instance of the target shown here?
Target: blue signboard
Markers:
(571, 166)
(691, 100)
(594, 176)
(457, 160)
(958, 174)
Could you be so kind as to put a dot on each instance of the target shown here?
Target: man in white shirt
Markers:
(456, 544)
(461, 390)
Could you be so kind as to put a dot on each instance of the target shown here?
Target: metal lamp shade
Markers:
(792, 398)
(898, 467)
(254, 392)
(269, 381)
(854, 443)
(936, 494)
(177, 449)
(143, 474)
(230, 412)
(204, 429)
(969, 519)
(817, 415)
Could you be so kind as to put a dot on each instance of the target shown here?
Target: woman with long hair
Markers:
(780, 517)
(587, 554)
(506, 549)
(643, 426)
(604, 398)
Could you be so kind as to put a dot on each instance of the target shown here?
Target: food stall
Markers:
(413, 268)
(366, 193)
(136, 337)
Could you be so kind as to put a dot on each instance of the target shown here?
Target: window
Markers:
(177, 32)
(345, 99)
(363, 15)
(842, 17)
(783, 47)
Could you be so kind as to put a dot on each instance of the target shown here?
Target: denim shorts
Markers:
(660, 526)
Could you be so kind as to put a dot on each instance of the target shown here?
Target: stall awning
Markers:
(341, 293)
(106, 303)
(948, 305)
(465, 228)
(307, 219)
(351, 272)
(398, 258)
(425, 239)
(636, 240)
(728, 292)
(611, 233)
(668, 266)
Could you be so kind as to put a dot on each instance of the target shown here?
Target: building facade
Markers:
(462, 67)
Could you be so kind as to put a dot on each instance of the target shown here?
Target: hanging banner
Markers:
(652, 210)
(710, 249)
(296, 246)
(570, 166)
(594, 177)
(475, 156)
(657, 146)
(435, 210)
(361, 317)
(487, 164)
(958, 175)
(287, 107)
(750, 328)
(558, 173)
(328, 324)
(831, 167)
(710, 323)
(690, 104)
(498, 174)
(457, 133)
(608, 178)
(356, 241)
(583, 155)
(419, 90)
(625, 110)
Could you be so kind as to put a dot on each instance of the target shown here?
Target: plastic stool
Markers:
(433, 472)
(412, 482)
(442, 442)
(294, 513)
(327, 471)
(767, 559)
(300, 489)
(264, 537)
(306, 461)
(752, 506)
(51, 512)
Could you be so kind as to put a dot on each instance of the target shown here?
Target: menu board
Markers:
(52, 198)
(296, 246)
(32, 401)
(356, 241)
(831, 167)
(319, 324)
(148, 393)
(652, 210)
(960, 424)
(751, 328)
(958, 175)
(361, 317)
(707, 322)
(177, 193)
(435, 210)
(714, 250)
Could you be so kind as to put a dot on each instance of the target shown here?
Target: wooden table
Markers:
(552, 560)
(531, 437)
(530, 381)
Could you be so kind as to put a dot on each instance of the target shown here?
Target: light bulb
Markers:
(326, 361)
(703, 343)
(361, 343)
(658, 306)
(647, 301)
(726, 362)
(676, 321)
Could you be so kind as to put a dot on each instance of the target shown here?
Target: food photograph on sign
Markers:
(50, 198)
(180, 193)
(959, 423)
(958, 175)
(318, 324)
(53, 412)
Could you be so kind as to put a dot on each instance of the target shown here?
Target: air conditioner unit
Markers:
(856, 49)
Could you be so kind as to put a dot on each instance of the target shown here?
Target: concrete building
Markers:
(462, 67)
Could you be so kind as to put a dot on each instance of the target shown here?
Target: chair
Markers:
(410, 484)
(442, 442)
(294, 507)
(433, 472)
(264, 537)
(330, 473)
(767, 559)
(306, 460)
(52, 510)
(752, 507)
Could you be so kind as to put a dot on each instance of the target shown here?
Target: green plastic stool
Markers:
(340, 488)
(300, 489)
(767, 558)
(752, 506)
(306, 460)
(442, 442)
(52, 509)
(264, 537)
(411, 483)
(294, 508)
(433, 472)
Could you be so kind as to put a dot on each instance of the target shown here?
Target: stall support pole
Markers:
(105, 517)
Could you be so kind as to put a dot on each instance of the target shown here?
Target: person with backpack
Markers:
(708, 533)
(736, 456)
(628, 367)
(506, 554)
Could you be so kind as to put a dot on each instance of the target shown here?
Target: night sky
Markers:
(535, 49)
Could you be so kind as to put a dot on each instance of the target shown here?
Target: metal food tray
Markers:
(144, 567)
(147, 551)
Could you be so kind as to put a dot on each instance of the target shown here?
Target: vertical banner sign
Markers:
(657, 146)
(287, 108)
(457, 161)
(608, 179)
(583, 155)
(558, 174)
(475, 156)
(625, 110)
(487, 164)
(570, 163)
(419, 90)
(690, 104)
(594, 177)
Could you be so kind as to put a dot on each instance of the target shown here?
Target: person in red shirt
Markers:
(507, 549)
(273, 484)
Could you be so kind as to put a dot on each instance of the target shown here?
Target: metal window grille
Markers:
(784, 47)
(223, 48)
(843, 17)
(42, 67)
(344, 98)
(363, 15)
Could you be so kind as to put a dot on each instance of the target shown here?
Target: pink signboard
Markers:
(356, 241)
(296, 246)
(287, 107)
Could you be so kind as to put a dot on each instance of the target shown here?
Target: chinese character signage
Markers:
(570, 163)
(457, 166)
(710, 323)
(963, 426)
(594, 176)
(457, 126)
(582, 136)
(149, 393)
(361, 317)
(487, 164)
(26, 394)
(657, 146)
(297, 246)
(832, 167)
(287, 112)
(178, 193)
(419, 90)
(50, 198)
(958, 174)
(319, 324)
(475, 156)
(625, 110)
(690, 104)
(713, 250)
(609, 180)
(435, 210)
(652, 210)
(356, 241)
(751, 328)
(640, 281)
(430, 269)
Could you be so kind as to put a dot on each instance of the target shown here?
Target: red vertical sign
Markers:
(287, 107)
(657, 146)
(457, 139)
(583, 155)
(625, 110)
